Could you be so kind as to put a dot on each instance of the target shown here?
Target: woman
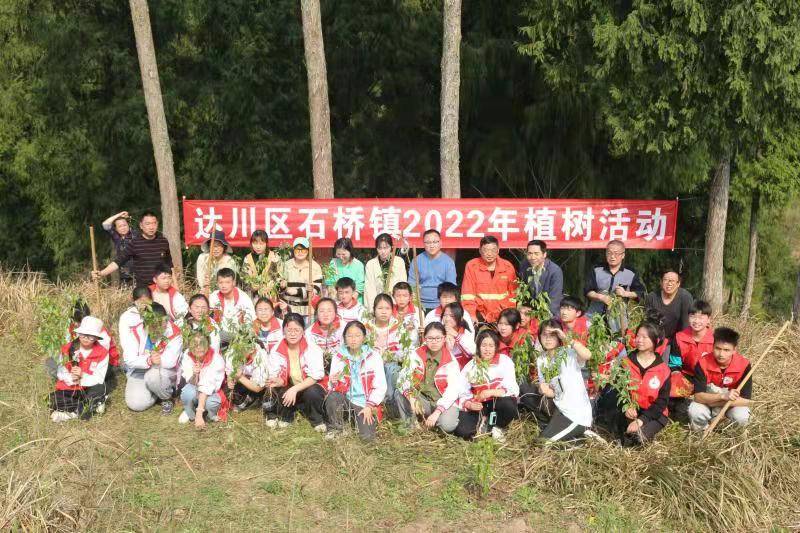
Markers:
(431, 384)
(300, 291)
(212, 260)
(199, 318)
(344, 265)
(563, 409)
(81, 374)
(384, 332)
(119, 229)
(649, 389)
(261, 266)
(203, 369)
(357, 385)
(294, 368)
(490, 393)
(326, 331)
(459, 338)
(377, 268)
(509, 327)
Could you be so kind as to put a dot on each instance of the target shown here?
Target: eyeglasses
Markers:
(615, 254)
(434, 339)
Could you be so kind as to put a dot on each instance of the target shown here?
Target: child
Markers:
(432, 383)
(295, 368)
(572, 318)
(357, 385)
(230, 304)
(448, 293)
(268, 328)
(384, 333)
(326, 331)
(204, 371)
(695, 341)
(509, 327)
(211, 261)
(716, 378)
(564, 412)
(79, 311)
(151, 366)
(262, 263)
(348, 307)
(168, 296)
(405, 311)
(80, 389)
(199, 317)
(459, 338)
(527, 321)
(649, 387)
(491, 391)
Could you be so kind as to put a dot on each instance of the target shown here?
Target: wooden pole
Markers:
(310, 274)
(388, 277)
(416, 288)
(209, 264)
(746, 378)
(94, 257)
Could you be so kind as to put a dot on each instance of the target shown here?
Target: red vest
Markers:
(645, 387)
(728, 378)
(97, 354)
(581, 329)
(517, 338)
(691, 350)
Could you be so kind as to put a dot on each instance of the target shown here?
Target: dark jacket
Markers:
(600, 279)
(551, 282)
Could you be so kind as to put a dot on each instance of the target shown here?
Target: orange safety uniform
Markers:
(488, 292)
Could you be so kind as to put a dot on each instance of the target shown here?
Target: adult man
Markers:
(672, 302)
(489, 283)
(435, 267)
(168, 296)
(147, 250)
(542, 275)
(612, 278)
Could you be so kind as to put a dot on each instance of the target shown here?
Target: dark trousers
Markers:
(469, 421)
(339, 409)
(614, 420)
(309, 402)
(553, 424)
(83, 402)
(243, 397)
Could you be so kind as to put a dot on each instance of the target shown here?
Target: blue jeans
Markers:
(189, 400)
(392, 370)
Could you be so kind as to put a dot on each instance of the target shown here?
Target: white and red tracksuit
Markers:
(329, 339)
(177, 308)
(350, 313)
(106, 341)
(311, 364)
(93, 364)
(271, 333)
(500, 375)
(371, 374)
(211, 377)
(133, 340)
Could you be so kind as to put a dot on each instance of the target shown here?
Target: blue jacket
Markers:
(551, 282)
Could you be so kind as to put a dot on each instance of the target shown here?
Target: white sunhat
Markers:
(90, 326)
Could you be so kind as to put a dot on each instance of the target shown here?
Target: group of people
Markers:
(351, 344)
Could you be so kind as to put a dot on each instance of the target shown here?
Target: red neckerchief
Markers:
(317, 329)
(209, 355)
(222, 299)
(352, 305)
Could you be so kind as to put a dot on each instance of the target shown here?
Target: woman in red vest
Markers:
(649, 387)
(512, 334)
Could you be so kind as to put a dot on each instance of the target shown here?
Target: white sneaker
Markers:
(499, 435)
(332, 435)
(184, 418)
(271, 423)
(100, 408)
(321, 428)
(62, 416)
(594, 436)
(283, 424)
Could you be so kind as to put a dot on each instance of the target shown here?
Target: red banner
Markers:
(462, 222)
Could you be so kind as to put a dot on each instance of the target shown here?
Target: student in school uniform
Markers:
(267, 326)
(80, 386)
(573, 320)
(201, 318)
(448, 293)
(168, 296)
(509, 327)
(203, 370)
(295, 368)
(384, 331)
(689, 345)
(230, 304)
(459, 338)
(491, 394)
(347, 302)
(326, 331)
(717, 377)
(405, 311)
(357, 385)
(431, 384)
(151, 360)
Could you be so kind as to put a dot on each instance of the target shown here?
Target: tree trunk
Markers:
(713, 260)
(171, 221)
(796, 306)
(751, 261)
(319, 111)
(451, 83)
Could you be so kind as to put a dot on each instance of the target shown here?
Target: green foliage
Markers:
(619, 378)
(524, 356)
(481, 456)
(242, 345)
(265, 280)
(154, 324)
(553, 363)
(599, 343)
(53, 316)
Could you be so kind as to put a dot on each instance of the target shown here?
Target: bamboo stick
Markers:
(416, 288)
(746, 378)
(94, 259)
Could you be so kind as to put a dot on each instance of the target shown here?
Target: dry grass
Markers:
(126, 471)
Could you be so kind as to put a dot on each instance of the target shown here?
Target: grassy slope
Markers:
(126, 471)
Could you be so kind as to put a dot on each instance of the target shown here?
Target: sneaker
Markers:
(271, 423)
(499, 435)
(63, 416)
(166, 407)
(321, 428)
(100, 408)
(283, 424)
(332, 434)
(594, 436)
(184, 418)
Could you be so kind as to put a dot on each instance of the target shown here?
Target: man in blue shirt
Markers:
(434, 266)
